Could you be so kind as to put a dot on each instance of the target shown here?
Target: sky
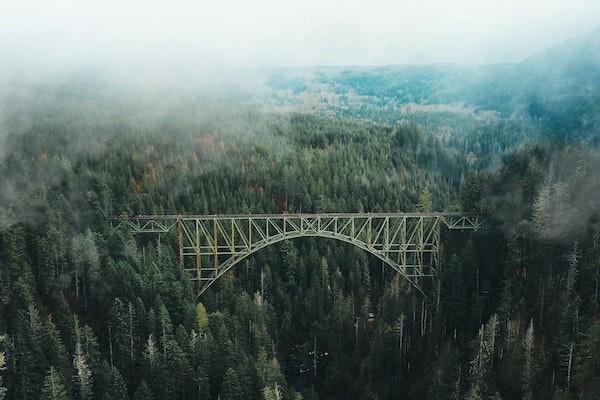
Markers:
(57, 34)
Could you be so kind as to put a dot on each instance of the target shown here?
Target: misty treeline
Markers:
(87, 312)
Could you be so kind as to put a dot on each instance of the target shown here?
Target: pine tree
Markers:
(261, 366)
(119, 331)
(201, 317)
(483, 360)
(178, 371)
(587, 371)
(86, 260)
(143, 392)
(83, 374)
(425, 203)
(29, 362)
(165, 328)
(445, 375)
(131, 333)
(151, 353)
(272, 392)
(528, 350)
(117, 389)
(541, 211)
(3, 389)
(231, 388)
(202, 383)
(568, 317)
(152, 364)
(57, 353)
(53, 388)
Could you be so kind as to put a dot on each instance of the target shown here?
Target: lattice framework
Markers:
(210, 245)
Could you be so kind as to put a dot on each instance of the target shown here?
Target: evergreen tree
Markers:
(143, 392)
(53, 388)
(588, 364)
(483, 360)
(230, 388)
(203, 383)
(83, 374)
(425, 203)
(202, 317)
(529, 367)
(376, 337)
(3, 388)
(272, 393)
(117, 389)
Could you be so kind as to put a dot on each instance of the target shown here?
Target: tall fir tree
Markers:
(54, 388)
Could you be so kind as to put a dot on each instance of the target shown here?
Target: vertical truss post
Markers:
(436, 246)
(250, 233)
(369, 231)
(386, 237)
(197, 248)
(233, 249)
(216, 248)
(180, 240)
(421, 249)
(404, 245)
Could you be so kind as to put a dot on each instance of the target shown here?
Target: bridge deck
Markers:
(302, 215)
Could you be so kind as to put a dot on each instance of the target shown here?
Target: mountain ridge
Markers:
(557, 86)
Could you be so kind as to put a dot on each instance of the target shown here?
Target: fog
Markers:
(208, 35)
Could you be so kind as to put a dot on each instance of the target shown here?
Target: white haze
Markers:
(203, 35)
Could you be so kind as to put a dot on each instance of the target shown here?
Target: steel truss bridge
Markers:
(210, 245)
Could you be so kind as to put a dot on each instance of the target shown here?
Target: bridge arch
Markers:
(231, 262)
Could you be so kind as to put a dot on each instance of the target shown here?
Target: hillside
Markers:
(87, 312)
(556, 87)
(512, 310)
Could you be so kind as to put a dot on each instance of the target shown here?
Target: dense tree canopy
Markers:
(87, 312)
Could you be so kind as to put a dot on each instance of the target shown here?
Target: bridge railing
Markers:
(164, 223)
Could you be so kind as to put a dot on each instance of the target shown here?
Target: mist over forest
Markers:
(101, 123)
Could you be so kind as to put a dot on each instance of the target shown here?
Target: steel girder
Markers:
(210, 245)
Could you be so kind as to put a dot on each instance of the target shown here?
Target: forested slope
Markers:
(89, 313)
(555, 90)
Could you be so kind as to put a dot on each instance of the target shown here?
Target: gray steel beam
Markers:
(407, 242)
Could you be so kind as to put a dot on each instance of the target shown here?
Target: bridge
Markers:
(210, 245)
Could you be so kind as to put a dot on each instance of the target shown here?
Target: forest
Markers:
(90, 312)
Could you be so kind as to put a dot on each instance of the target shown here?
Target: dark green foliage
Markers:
(231, 388)
(54, 388)
(116, 388)
(97, 314)
(143, 392)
